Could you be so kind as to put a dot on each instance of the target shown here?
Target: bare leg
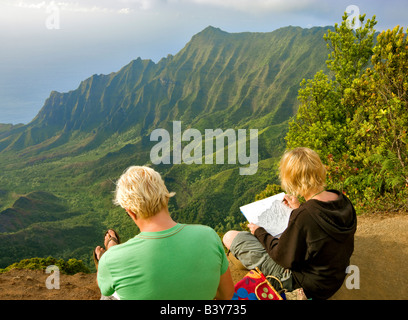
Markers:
(229, 237)
(99, 252)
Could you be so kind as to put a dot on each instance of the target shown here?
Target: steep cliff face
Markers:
(217, 80)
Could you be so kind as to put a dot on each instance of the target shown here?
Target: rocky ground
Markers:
(381, 255)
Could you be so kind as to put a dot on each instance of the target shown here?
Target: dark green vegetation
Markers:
(72, 266)
(355, 116)
(58, 172)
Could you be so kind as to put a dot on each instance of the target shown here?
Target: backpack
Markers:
(255, 286)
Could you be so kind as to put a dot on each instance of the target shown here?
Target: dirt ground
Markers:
(381, 255)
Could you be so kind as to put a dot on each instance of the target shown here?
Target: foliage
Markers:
(321, 122)
(270, 190)
(378, 130)
(357, 121)
(70, 267)
(350, 51)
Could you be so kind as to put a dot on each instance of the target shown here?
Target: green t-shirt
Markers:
(183, 262)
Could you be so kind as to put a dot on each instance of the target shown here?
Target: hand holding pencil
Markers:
(291, 201)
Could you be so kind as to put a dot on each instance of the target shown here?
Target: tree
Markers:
(357, 120)
(321, 122)
(380, 123)
(350, 51)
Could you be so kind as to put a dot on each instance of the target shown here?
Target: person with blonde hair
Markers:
(315, 249)
(166, 260)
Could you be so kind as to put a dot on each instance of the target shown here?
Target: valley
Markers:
(58, 172)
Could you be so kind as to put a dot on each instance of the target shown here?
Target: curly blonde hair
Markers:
(302, 172)
(142, 191)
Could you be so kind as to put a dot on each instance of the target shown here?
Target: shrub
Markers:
(70, 267)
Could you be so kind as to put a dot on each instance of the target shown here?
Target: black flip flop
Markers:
(115, 238)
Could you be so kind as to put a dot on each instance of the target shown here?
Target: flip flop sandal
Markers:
(115, 238)
(112, 238)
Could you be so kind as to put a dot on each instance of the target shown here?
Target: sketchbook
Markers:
(269, 213)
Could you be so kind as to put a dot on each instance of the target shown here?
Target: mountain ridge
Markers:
(118, 95)
(82, 140)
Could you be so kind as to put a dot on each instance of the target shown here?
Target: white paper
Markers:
(269, 213)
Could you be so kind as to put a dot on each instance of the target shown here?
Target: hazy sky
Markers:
(54, 45)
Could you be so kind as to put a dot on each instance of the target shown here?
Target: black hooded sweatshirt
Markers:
(316, 246)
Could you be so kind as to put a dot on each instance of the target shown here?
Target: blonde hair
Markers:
(142, 191)
(302, 172)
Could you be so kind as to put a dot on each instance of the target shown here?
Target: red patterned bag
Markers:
(255, 286)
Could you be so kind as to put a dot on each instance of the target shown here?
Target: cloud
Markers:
(88, 6)
(124, 11)
(127, 6)
(256, 6)
(76, 7)
(130, 6)
(23, 4)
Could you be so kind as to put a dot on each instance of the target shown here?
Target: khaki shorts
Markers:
(250, 252)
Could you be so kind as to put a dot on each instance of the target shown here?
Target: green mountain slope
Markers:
(82, 140)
